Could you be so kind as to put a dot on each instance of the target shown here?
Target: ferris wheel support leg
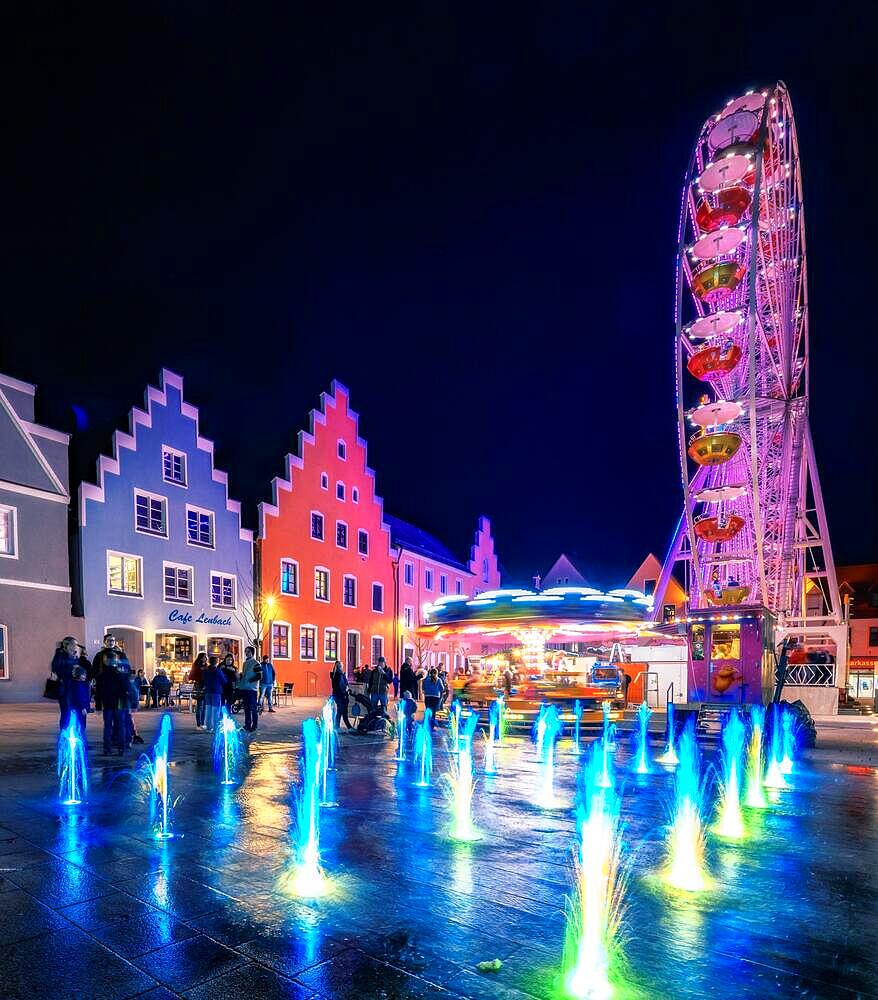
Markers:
(822, 527)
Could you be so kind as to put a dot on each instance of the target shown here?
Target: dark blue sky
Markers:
(467, 216)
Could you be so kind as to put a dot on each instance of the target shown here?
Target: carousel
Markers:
(557, 646)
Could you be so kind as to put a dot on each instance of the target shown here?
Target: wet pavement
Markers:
(92, 905)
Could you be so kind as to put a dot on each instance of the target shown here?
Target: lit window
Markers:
(377, 647)
(443, 583)
(408, 571)
(330, 644)
(280, 641)
(4, 658)
(199, 527)
(324, 481)
(428, 579)
(150, 514)
(321, 584)
(289, 576)
(173, 466)
(363, 542)
(349, 595)
(342, 450)
(355, 494)
(408, 616)
(341, 534)
(317, 526)
(222, 590)
(377, 597)
(124, 574)
(178, 583)
(8, 532)
(308, 642)
(339, 491)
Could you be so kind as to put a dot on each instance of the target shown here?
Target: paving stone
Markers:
(185, 964)
(250, 982)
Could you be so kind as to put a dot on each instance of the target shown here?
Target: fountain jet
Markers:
(755, 797)
(461, 784)
(424, 749)
(685, 844)
(307, 878)
(72, 764)
(491, 738)
(161, 805)
(788, 724)
(641, 741)
(545, 796)
(730, 818)
(228, 749)
(670, 755)
(774, 776)
(577, 723)
(327, 749)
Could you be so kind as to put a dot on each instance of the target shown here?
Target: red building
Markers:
(325, 565)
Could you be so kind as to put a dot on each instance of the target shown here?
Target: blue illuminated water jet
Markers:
(539, 732)
(327, 750)
(228, 749)
(424, 750)
(670, 755)
(774, 775)
(577, 725)
(641, 740)
(545, 793)
(461, 784)
(788, 725)
(401, 727)
(72, 764)
(157, 771)
(306, 879)
(755, 797)
(491, 738)
(685, 843)
(730, 818)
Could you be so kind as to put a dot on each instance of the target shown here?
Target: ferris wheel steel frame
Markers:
(784, 541)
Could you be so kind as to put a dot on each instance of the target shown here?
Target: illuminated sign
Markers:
(185, 618)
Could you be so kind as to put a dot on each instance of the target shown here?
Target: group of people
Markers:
(215, 684)
(377, 680)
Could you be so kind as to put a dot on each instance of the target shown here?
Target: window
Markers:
(349, 595)
(485, 571)
(199, 527)
(408, 574)
(4, 655)
(8, 532)
(353, 650)
(222, 590)
(377, 647)
(308, 642)
(342, 450)
(124, 574)
(428, 579)
(178, 583)
(330, 644)
(355, 494)
(669, 613)
(363, 542)
(324, 481)
(443, 583)
(341, 534)
(321, 584)
(697, 642)
(873, 635)
(377, 597)
(339, 491)
(317, 526)
(280, 640)
(725, 642)
(458, 586)
(289, 576)
(408, 616)
(173, 466)
(150, 513)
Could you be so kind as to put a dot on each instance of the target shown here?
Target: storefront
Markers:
(861, 677)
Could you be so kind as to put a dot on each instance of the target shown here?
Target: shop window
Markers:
(178, 583)
(175, 654)
(377, 648)
(697, 642)
(4, 653)
(8, 532)
(150, 514)
(317, 526)
(725, 642)
(341, 534)
(308, 642)
(199, 527)
(124, 574)
(222, 590)
(363, 542)
(220, 646)
(408, 574)
(349, 592)
(280, 640)
(321, 584)
(377, 597)
(173, 466)
(289, 576)
(330, 644)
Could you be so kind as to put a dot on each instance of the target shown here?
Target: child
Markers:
(79, 696)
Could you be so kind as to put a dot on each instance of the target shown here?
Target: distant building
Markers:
(426, 570)
(646, 577)
(325, 563)
(858, 587)
(35, 593)
(562, 574)
(163, 560)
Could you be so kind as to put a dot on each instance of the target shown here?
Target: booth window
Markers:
(725, 642)
(697, 642)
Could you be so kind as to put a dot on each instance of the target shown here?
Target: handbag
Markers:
(52, 690)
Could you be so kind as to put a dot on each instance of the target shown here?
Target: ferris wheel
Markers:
(753, 528)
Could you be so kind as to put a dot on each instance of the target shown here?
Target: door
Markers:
(353, 659)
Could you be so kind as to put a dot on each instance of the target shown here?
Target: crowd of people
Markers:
(109, 685)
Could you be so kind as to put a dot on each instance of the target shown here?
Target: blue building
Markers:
(164, 563)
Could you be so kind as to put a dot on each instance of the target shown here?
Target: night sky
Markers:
(467, 217)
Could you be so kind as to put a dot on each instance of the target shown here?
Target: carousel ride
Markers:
(516, 630)
(753, 531)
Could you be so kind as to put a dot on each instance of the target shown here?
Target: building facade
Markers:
(164, 562)
(325, 563)
(858, 586)
(425, 570)
(645, 578)
(35, 594)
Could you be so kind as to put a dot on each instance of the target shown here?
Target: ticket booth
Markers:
(731, 655)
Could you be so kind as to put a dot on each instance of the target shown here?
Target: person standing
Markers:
(65, 659)
(214, 683)
(79, 696)
(196, 679)
(231, 679)
(408, 679)
(132, 735)
(248, 685)
(395, 685)
(99, 662)
(266, 685)
(339, 682)
(433, 691)
(113, 691)
(376, 686)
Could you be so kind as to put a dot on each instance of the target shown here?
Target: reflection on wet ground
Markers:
(92, 905)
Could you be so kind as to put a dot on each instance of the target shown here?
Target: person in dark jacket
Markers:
(79, 696)
(111, 645)
(340, 695)
(161, 688)
(214, 683)
(266, 685)
(65, 659)
(231, 676)
(433, 691)
(196, 679)
(408, 679)
(376, 684)
(112, 686)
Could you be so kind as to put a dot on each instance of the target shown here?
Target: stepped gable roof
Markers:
(413, 539)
